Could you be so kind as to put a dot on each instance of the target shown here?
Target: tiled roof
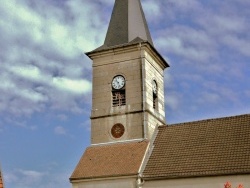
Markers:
(110, 160)
(1, 180)
(202, 148)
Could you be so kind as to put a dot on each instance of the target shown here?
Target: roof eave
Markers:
(97, 178)
(106, 49)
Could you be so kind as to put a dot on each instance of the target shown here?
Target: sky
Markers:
(46, 88)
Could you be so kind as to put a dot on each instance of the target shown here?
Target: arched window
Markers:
(118, 91)
(155, 94)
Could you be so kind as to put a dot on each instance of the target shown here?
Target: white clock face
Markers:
(154, 87)
(118, 82)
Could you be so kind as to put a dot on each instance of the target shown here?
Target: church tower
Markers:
(128, 84)
(127, 102)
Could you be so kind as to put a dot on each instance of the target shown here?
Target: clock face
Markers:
(118, 82)
(154, 87)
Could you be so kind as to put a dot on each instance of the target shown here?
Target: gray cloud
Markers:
(42, 55)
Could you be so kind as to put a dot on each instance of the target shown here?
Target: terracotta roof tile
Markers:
(118, 159)
(202, 148)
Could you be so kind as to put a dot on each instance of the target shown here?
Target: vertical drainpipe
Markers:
(143, 93)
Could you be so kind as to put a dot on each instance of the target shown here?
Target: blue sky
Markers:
(45, 88)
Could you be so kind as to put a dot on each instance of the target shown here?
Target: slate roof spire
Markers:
(127, 24)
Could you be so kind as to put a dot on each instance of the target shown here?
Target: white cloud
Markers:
(30, 174)
(60, 130)
(216, 92)
(237, 43)
(229, 23)
(29, 72)
(32, 95)
(184, 5)
(74, 86)
(152, 8)
(62, 117)
(24, 178)
(107, 2)
(209, 98)
(86, 125)
(222, 23)
(7, 83)
(172, 100)
(194, 45)
(178, 47)
(38, 179)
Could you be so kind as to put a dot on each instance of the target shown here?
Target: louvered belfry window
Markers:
(119, 98)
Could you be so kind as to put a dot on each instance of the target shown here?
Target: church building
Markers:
(132, 146)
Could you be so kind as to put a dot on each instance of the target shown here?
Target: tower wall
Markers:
(139, 66)
(153, 71)
(106, 65)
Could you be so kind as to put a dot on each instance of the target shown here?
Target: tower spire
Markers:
(127, 24)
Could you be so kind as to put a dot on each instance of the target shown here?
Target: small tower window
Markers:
(118, 91)
(155, 95)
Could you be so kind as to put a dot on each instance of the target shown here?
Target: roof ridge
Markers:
(204, 120)
(197, 173)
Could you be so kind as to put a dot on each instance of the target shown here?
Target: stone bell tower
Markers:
(128, 84)
(128, 102)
